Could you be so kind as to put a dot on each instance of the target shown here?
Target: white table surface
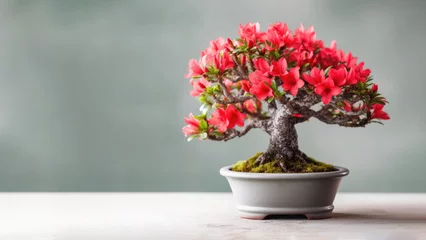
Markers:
(145, 216)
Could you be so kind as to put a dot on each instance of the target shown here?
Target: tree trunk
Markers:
(283, 144)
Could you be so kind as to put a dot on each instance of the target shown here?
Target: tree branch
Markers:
(233, 133)
(272, 107)
(230, 98)
(239, 69)
(324, 115)
(238, 99)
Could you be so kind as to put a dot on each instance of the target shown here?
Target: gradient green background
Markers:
(92, 94)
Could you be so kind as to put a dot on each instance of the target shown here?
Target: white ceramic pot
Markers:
(260, 194)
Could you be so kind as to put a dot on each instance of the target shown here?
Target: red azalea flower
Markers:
(278, 68)
(352, 77)
(251, 33)
(347, 107)
(219, 120)
(246, 85)
(196, 68)
(234, 117)
(243, 60)
(306, 57)
(278, 35)
(261, 65)
(298, 115)
(192, 127)
(216, 46)
(350, 60)
(330, 56)
(362, 73)
(223, 61)
(261, 85)
(316, 76)
(327, 90)
(199, 86)
(306, 35)
(338, 76)
(252, 106)
(378, 113)
(374, 88)
(292, 81)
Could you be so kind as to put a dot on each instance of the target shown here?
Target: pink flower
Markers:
(234, 117)
(252, 106)
(338, 76)
(251, 33)
(306, 35)
(199, 86)
(316, 76)
(192, 127)
(278, 68)
(330, 56)
(347, 107)
(227, 119)
(378, 113)
(279, 35)
(352, 77)
(223, 61)
(219, 120)
(362, 73)
(357, 73)
(350, 60)
(216, 46)
(374, 88)
(246, 85)
(327, 90)
(261, 85)
(196, 68)
(292, 81)
(261, 65)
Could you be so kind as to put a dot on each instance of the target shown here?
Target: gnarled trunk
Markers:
(283, 144)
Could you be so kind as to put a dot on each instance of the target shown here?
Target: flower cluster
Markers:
(233, 77)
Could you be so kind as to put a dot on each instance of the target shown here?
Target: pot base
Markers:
(260, 213)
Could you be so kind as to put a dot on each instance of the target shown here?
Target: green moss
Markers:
(312, 165)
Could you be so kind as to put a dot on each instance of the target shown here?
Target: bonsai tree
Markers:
(274, 80)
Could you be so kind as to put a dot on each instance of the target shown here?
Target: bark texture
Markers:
(283, 143)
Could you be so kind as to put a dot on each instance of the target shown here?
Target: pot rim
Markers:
(340, 172)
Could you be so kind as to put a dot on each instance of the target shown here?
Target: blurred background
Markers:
(92, 93)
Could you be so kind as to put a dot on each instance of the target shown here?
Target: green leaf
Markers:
(213, 70)
(327, 70)
(374, 121)
(217, 89)
(278, 93)
(306, 65)
(202, 99)
(203, 125)
(200, 117)
(276, 54)
(270, 99)
(193, 137)
(274, 85)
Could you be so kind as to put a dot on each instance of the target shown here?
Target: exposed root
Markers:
(283, 167)
(265, 158)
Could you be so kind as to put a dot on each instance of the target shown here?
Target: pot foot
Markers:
(317, 216)
(253, 216)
